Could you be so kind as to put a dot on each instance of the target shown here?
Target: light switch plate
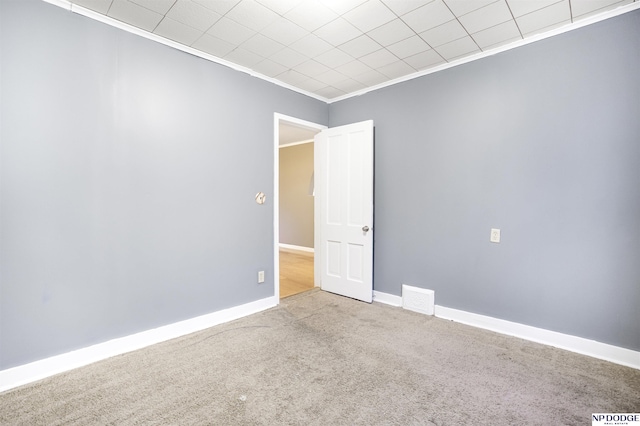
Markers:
(260, 277)
(495, 235)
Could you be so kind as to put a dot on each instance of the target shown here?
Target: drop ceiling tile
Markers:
(252, 15)
(424, 60)
(330, 92)
(462, 7)
(379, 58)
(334, 58)
(543, 18)
(429, 16)
(230, 31)
(262, 45)
(176, 31)
(353, 68)
(243, 57)
(360, 46)
(281, 6)
(444, 33)
(284, 31)
(522, 7)
(331, 77)
(312, 68)
(292, 77)
(218, 6)
(135, 15)
(548, 28)
(158, 6)
(371, 78)
(408, 47)
(311, 45)
(193, 15)
(289, 58)
(391, 32)
(100, 6)
(486, 17)
(311, 15)
(401, 7)
(342, 6)
(580, 8)
(311, 85)
(369, 15)
(457, 48)
(396, 69)
(338, 32)
(213, 45)
(499, 34)
(269, 68)
(349, 85)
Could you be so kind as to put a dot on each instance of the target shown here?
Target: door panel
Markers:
(344, 183)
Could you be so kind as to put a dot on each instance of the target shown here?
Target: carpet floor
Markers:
(322, 359)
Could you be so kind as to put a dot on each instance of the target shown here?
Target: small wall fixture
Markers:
(261, 198)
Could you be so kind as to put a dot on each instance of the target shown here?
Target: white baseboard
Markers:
(299, 248)
(41, 369)
(615, 354)
(568, 342)
(386, 298)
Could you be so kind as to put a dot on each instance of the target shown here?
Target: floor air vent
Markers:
(418, 299)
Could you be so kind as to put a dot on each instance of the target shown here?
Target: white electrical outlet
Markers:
(260, 277)
(495, 235)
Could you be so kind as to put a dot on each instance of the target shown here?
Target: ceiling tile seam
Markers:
(565, 28)
(571, 11)
(80, 10)
(514, 19)
(144, 7)
(496, 50)
(469, 34)
(200, 31)
(493, 26)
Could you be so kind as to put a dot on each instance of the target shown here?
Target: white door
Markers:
(344, 192)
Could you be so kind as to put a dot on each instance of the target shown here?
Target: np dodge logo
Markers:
(615, 419)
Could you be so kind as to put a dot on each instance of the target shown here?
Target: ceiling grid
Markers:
(334, 48)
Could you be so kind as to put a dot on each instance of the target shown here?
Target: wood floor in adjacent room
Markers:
(296, 272)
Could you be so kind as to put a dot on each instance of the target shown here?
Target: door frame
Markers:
(277, 119)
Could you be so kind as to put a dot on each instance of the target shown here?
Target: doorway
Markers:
(294, 212)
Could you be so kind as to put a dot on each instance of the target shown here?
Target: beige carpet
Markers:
(321, 359)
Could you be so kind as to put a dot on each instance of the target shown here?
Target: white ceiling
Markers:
(331, 48)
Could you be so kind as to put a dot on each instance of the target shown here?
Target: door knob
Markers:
(365, 228)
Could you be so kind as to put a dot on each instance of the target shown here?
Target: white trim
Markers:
(154, 37)
(615, 354)
(61, 3)
(566, 28)
(287, 145)
(41, 369)
(129, 28)
(575, 344)
(386, 298)
(277, 117)
(299, 248)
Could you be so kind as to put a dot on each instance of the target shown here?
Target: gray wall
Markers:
(296, 205)
(542, 142)
(128, 173)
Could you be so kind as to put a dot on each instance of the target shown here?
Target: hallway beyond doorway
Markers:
(296, 272)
